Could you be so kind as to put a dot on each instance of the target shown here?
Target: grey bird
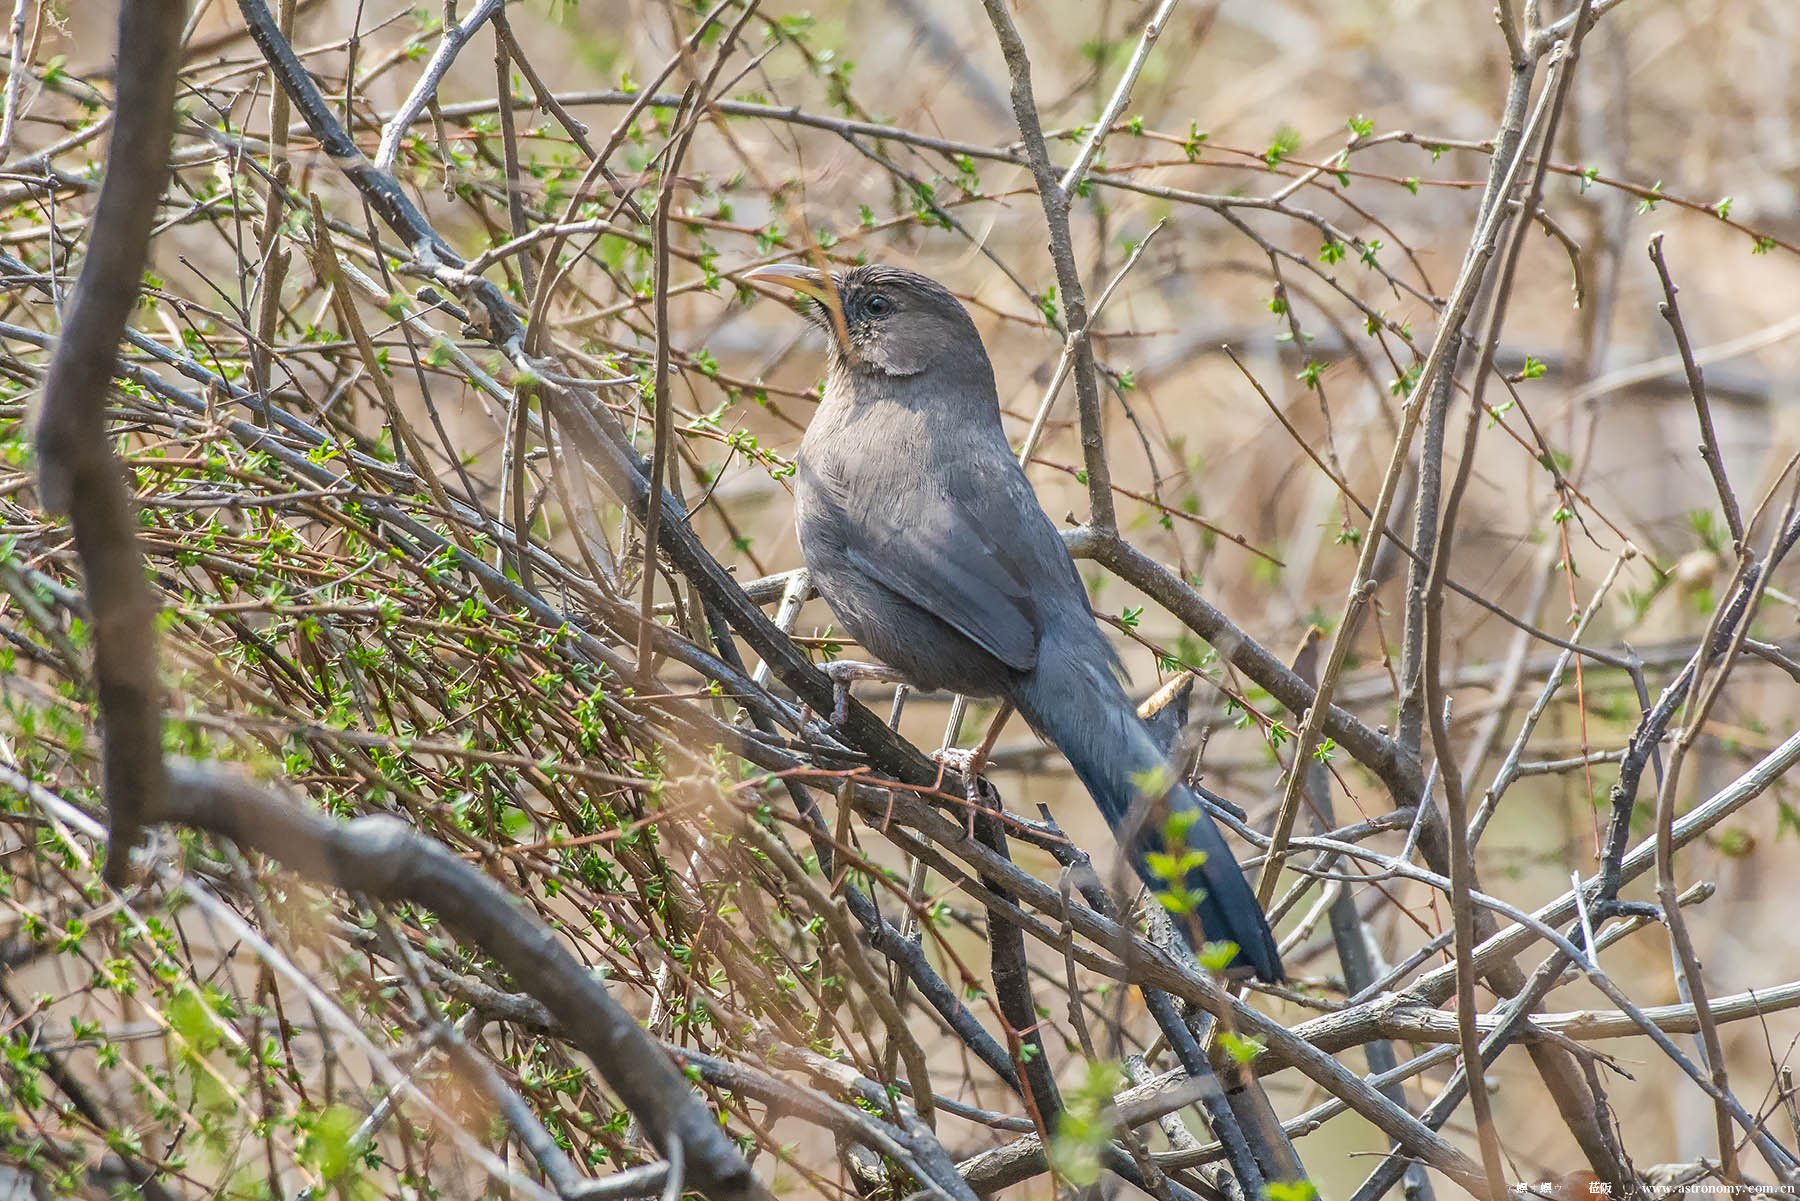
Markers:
(923, 535)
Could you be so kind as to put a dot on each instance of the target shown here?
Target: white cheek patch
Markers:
(870, 351)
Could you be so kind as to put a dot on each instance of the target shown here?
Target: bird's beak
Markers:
(796, 277)
(810, 282)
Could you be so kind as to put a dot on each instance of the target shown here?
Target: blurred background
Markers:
(1292, 185)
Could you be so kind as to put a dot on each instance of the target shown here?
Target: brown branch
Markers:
(1441, 358)
(387, 860)
(77, 472)
(663, 413)
(1055, 201)
(1374, 750)
(1709, 440)
(1150, 965)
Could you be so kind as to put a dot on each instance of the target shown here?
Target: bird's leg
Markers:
(963, 763)
(970, 764)
(979, 763)
(843, 673)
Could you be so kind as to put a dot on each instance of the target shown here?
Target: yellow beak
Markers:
(797, 277)
(807, 281)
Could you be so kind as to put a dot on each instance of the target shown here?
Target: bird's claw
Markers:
(955, 759)
(968, 764)
(843, 673)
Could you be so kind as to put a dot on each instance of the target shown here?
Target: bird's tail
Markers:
(1073, 699)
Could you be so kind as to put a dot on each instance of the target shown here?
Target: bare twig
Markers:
(383, 858)
(1055, 201)
(1440, 359)
(659, 459)
(1709, 441)
(442, 59)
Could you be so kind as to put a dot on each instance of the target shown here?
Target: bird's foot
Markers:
(971, 764)
(962, 762)
(843, 674)
(968, 764)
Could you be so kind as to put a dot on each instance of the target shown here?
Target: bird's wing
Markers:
(966, 553)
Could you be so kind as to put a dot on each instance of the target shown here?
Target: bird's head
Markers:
(881, 320)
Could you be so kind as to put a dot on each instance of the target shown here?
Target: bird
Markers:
(919, 528)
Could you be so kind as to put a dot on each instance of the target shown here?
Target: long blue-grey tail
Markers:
(1073, 699)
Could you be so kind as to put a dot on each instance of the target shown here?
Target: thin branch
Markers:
(387, 153)
(1055, 201)
(663, 412)
(385, 859)
(1709, 440)
(1096, 138)
(1440, 359)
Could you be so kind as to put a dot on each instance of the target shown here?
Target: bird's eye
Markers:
(878, 305)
